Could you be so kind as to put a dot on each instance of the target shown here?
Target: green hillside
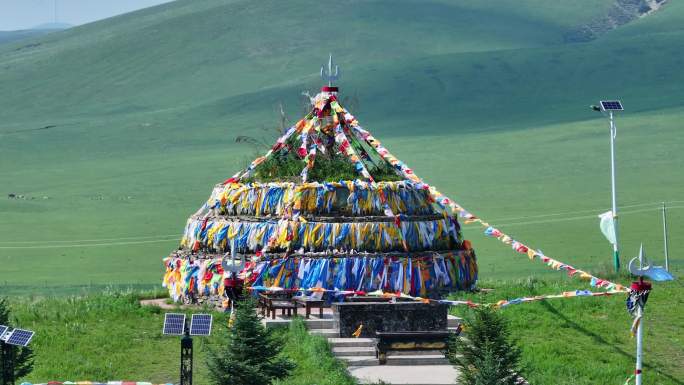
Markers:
(114, 132)
(12, 36)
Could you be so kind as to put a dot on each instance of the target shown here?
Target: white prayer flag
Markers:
(607, 226)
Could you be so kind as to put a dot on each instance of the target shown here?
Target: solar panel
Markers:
(611, 105)
(3, 329)
(174, 324)
(200, 325)
(20, 337)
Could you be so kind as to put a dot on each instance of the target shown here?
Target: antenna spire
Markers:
(327, 74)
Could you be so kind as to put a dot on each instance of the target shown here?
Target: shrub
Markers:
(487, 356)
(248, 353)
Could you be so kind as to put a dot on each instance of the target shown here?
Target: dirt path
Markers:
(161, 302)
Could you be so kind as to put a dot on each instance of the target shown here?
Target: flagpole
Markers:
(639, 345)
(638, 296)
(667, 256)
(616, 250)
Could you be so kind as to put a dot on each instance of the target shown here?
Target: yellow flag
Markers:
(357, 333)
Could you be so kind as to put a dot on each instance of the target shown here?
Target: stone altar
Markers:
(388, 317)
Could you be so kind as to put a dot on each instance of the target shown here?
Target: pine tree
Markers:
(487, 356)
(250, 353)
(23, 355)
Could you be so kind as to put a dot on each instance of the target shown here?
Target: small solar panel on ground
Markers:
(20, 337)
(611, 105)
(174, 324)
(200, 325)
(3, 329)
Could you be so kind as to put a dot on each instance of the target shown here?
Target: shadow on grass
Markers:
(598, 339)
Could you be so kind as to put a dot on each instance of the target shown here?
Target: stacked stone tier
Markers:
(336, 198)
(403, 233)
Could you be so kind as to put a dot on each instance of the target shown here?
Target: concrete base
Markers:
(405, 375)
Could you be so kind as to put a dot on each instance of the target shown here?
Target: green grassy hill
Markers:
(114, 132)
(12, 36)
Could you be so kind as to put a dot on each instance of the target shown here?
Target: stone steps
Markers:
(405, 375)
(360, 361)
(341, 342)
(402, 367)
(327, 333)
(396, 360)
(354, 351)
(417, 359)
(394, 353)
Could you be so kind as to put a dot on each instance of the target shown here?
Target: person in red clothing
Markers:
(233, 285)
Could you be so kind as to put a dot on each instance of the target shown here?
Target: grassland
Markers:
(102, 337)
(564, 341)
(110, 336)
(114, 133)
(587, 340)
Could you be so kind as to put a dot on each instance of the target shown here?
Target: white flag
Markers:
(607, 226)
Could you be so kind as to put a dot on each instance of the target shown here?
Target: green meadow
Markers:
(587, 340)
(115, 132)
(108, 336)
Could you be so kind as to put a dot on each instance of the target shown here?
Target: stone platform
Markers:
(405, 368)
(405, 375)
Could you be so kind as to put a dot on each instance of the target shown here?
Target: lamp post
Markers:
(7, 358)
(186, 358)
(175, 324)
(608, 107)
(8, 340)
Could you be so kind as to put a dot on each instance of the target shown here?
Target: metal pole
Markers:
(186, 359)
(7, 363)
(640, 330)
(616, 250)
(667, 255)
(3, 364)
(640, 346)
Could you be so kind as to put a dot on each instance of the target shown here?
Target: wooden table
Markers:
(271, 304)
(309, 303)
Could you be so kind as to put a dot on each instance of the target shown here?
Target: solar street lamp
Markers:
(608, 107)
(9, 339)
(175, 325)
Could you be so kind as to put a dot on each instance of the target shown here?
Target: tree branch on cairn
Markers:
(248, 353)
(487, 355)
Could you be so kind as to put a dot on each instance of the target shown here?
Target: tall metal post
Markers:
(7, 358)
(667, 255)
(638, 295)
(640, 346)
(640, 327)
(616, 249)
(186, 359)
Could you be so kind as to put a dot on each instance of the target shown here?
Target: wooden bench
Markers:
(415, 340)
(269, 305)
(309, 303)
